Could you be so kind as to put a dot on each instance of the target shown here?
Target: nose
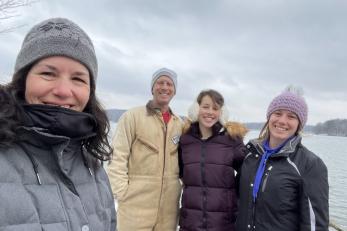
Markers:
(62, 88)
(209, 111)
(165, 85)
(282, 119)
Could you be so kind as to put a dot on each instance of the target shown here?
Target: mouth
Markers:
(281, 128)
(209, 119)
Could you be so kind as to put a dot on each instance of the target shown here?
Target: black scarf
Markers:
(60, 121)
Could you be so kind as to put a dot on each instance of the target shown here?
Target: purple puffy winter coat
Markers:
(209, 200)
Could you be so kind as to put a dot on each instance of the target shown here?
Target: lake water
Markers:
(333, 152)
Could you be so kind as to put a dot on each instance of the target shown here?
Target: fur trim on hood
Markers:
(234, 129)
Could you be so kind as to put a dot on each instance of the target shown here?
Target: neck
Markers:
(163, 108)
(205, 132)
(274, 143)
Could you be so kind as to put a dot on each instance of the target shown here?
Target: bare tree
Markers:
(9, 9)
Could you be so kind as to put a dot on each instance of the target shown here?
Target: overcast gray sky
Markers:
(248, 50)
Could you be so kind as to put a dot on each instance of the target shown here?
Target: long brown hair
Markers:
(13, 94)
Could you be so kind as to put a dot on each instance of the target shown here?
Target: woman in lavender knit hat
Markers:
(283, 185)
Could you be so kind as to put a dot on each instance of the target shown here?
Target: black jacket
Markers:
(293, 194)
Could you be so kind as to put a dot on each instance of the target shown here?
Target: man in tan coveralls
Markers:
(144, 170)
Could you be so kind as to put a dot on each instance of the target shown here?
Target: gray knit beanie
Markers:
(166, 72)
(292, 100)
(61, 37)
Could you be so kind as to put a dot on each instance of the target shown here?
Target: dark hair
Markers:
(13, 94)
(9, 115)
(216, 97)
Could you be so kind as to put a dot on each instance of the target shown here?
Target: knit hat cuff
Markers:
(60, 46)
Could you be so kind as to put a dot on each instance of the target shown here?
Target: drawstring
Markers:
(35, 165)
(85, 161)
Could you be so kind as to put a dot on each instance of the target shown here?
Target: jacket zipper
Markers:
(67, 180)
(203, 178)
(265, 178)
(163, 169)
(253, 216)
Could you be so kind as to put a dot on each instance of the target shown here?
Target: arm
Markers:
(314, 198)
(113, 220)
(118, 168)
(240, 152)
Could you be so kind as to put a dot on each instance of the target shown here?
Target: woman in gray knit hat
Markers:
(53, 136)
(283, 185)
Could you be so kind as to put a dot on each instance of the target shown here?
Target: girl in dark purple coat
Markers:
(211, 149)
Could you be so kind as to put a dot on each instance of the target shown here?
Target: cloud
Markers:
(248, 50)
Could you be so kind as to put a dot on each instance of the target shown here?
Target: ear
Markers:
(224, 115)
(193, 112)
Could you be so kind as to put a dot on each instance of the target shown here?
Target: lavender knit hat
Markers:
(292, 100)
(61, 37)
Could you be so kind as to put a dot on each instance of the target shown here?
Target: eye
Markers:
(79, 79)
(292, 116)
(47, 74)
(84, 79)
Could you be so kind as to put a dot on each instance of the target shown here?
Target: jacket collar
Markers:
(217, 129)
(152, 110)
(59, 121)
(256, 145)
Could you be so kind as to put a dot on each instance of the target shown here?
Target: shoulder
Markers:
(135, 110)
(11, 150)
(133, 113)
(308, 161)
(12, 159)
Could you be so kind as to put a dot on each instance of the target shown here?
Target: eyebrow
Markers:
(53, 68)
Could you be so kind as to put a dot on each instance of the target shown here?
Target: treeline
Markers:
(335, 127)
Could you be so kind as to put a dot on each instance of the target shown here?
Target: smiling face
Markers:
(58, 81)
(209, 113)
(163, 91)
(282, 125)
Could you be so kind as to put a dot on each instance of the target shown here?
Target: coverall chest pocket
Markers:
(144, 157)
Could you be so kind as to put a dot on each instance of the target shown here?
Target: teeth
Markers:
(282, 129)
(64, 106)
